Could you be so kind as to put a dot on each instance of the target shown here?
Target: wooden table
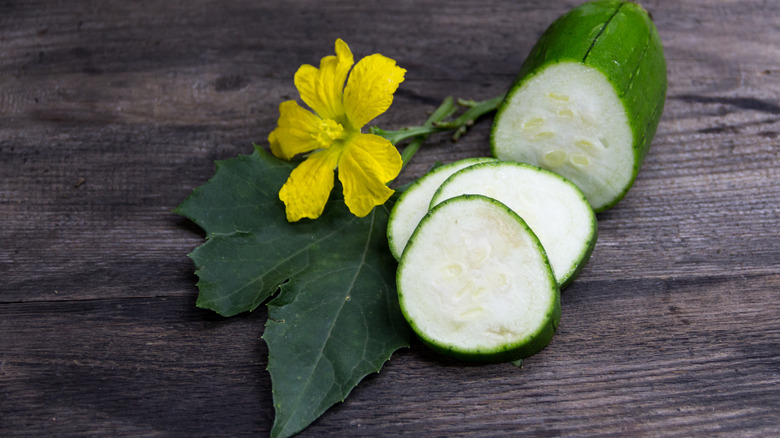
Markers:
(112, 112)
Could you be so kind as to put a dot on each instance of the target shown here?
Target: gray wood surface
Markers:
(112, 112)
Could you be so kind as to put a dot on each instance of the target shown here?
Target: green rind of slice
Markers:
(618, 41)
(475, 283)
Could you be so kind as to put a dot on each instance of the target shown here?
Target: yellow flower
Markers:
(365, 162)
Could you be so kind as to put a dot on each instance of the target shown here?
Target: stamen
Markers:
(328, 131)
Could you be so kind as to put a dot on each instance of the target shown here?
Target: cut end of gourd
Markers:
(568, 118)
(475, 283)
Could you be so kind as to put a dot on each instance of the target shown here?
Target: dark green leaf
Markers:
(241, 196)
(247, 254)
(347, 306)
(336, 318)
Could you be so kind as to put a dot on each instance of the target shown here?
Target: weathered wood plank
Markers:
(110, 113)
(670, 356)
(135, 367)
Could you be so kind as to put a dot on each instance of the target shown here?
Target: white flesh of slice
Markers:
(413, 203)
(554, 208)
(474, 277)
(568, 119)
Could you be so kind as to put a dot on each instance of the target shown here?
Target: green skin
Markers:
(620, 40)
(531, 344)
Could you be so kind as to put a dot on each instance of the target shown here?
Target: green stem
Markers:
(400, 135)
(475, 111)
(446, 109)
(436, 123)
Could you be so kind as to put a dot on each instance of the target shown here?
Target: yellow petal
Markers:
(321, 88)
(370, 88)
(365, 168)
(296, 133)
(308, 187)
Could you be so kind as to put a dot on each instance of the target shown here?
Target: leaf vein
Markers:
(321, 352)
(247, 180)
(280, 262)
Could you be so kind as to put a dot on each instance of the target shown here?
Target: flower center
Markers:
(328, 131)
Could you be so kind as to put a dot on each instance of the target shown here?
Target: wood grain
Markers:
(112, 112)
